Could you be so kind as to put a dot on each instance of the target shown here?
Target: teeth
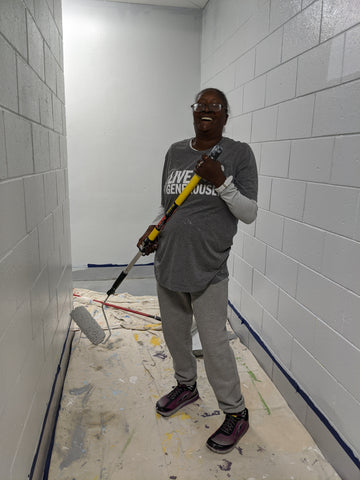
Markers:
(206, 118)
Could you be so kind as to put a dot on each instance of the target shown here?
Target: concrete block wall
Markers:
(291, 71)
(35, 272)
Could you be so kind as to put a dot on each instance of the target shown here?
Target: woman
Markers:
(191, 257)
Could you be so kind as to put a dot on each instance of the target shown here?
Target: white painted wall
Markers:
(292, 74)
(35, 271)
(291, 71)
(131, 74)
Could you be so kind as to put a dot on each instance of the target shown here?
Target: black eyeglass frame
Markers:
(208, 106)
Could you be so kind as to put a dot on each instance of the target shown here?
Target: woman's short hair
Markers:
(221, 94)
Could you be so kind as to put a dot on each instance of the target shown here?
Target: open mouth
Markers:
(206, 119)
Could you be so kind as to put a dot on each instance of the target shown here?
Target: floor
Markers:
(108, 428)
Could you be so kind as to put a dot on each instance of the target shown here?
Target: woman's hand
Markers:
(210, 170)
(152, 245)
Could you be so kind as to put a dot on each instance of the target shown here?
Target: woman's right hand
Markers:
(152, 245)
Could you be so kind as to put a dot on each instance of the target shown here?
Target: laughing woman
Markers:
(191, 261)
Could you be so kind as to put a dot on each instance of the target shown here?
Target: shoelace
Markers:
(177, 390)
(229, 424)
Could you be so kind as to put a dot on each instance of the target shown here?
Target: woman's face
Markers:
(208, 122)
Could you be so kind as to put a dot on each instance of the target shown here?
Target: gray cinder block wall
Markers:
(291, 71)
(35, 272)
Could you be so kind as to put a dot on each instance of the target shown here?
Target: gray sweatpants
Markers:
(209, 308)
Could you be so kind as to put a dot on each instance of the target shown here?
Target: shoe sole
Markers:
(171, 412)
(230, 448)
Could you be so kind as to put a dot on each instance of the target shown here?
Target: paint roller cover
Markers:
(88, 325)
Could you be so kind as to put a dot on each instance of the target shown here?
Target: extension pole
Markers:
(180, 199)
(130, 310)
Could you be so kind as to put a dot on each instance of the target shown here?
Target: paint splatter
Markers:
(184, 416)
(161, 355)
(151, 325)
(240, 450)
(86, 389)
(127, 442)
(80, 391)
(225, 466)
(215, 412)
(252, 376)
(76, 450)
(260, 449)
(155, 341)
(173, 477)
(264, 403)
(99, 367)
(133, 379)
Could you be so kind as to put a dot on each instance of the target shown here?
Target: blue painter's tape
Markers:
(298, 389)
(52, 440)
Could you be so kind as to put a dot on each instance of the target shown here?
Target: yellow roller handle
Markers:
(187, 190)
(153, 234)
(180, 199)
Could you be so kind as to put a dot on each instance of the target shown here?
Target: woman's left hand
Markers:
(210, 170)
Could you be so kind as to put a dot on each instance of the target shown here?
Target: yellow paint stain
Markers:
(184, 416)
(136, 336)
(155, 341)
(169, 436)
(151, 325)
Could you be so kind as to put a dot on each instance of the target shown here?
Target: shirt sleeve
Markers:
(243, 208)
(240, 193)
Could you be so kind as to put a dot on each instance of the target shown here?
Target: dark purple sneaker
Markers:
(226, 437)
(180, 396)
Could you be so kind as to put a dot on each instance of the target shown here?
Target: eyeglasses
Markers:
(211, 107)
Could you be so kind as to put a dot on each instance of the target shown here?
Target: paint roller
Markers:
(81, 316)
(88, 325)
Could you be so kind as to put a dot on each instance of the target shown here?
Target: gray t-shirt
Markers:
(195, 244)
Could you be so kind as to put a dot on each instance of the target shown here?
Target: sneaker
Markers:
(180, 396)
(226, 437)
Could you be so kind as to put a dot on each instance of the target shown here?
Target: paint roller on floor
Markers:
(81, 316)
(88, 325)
